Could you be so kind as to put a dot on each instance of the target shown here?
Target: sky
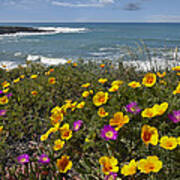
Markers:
(89, 10)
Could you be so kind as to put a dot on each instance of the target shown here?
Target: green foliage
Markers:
(27, 118)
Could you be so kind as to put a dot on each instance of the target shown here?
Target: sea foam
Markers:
(156, 64)
(46, 60)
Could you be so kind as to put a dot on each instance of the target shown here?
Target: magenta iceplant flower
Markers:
(111, 176)
(109, 133)
(133, 108)
(44, 159)
(175, 116)
(1, 91)
(22, 159)
(9, 95)
(2, 112)
(77, 125)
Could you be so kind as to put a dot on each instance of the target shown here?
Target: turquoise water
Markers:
(88, 40)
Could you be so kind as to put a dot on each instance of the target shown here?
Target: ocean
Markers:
(92, 41)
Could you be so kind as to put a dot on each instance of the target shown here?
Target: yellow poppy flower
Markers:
(80, 105)
(134, 84)
(4, 100)
(5, 84)
(102, 113)
(119, 120)
(102, 80)
(73, 105)
(34, 93)
(47, 73)
(64, 164)
(149, 135)
(177, 68)
(58, 144)
(85, 94)
(22, 76)
(44, 137)
(5, 90)
(177, 90)
(113, 88)
(100, 98)
(75, 64)
(51, 70)
(34, 76)
(52, 80)
(129, 169)
(1, 128)
(53, 129)
(57, 115)
(91, 91)
(161, 75)
(149, 113)
(16, 80)
(168, 143)
(151, 164)
(86, 85)
(178, 140)
(66, 133)
(117, 83)
(69, 61)
(102, 65)
(149, 79)
(109, 164)
(160, 109)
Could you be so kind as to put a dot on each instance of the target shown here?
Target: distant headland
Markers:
(15, 29)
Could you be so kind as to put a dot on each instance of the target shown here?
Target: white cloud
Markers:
(106, 1)
(95, 3)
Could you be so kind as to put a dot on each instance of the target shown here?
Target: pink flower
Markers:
(77, 125)
(109, 133)
(24, 158)
(111, 176)
(175, 116)
(44, 159)
(2, 112)
(133, 108)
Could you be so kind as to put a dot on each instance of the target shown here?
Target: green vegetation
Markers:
(29, 116)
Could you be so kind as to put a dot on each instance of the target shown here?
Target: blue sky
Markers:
(89, 10)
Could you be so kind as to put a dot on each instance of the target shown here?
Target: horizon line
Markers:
(86, 22)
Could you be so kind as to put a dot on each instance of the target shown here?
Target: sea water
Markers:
(132, 43)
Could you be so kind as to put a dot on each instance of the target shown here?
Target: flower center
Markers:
(66, 133)
(107, 167)
(101, 99)
(44, 158)
(177, 117)
(151, 167)
(169, 144)
(147, 136)
(23, 160)
(64, 163)
(76, 126)
(133, 109)
(111, 177)
(109, 134)
(150, 80)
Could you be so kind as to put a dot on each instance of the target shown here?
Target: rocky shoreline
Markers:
(15, 29)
